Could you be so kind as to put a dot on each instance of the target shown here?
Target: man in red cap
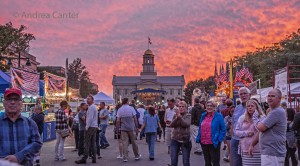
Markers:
(20, 138)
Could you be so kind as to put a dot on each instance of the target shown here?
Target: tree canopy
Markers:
(79, 78)
(14, 40)
(208, 85)
(261, 62)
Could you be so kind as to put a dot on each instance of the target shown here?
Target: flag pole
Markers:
(231, 78)
(259, 89)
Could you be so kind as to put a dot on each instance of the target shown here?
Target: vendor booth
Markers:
(102, 97)
(263, 93)
(34, 92)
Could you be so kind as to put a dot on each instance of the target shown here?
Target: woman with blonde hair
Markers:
(246, 130)
(181, 135)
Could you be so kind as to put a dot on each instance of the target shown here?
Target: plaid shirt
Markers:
(61, 120)
(20, 138)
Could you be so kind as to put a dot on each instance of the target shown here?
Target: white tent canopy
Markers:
(102, 97)
(263, 93)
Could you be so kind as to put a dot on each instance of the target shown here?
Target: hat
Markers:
(12, 91)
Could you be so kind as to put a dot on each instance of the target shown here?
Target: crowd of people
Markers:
(249, 133)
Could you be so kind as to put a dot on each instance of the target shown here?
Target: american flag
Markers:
(27, 81)
(54, 83)
(248, 75)
(223, 77)
(240, 74)
(149, 40)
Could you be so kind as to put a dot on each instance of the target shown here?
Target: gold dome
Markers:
(148, 52)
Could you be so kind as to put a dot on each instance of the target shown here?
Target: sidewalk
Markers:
(109, 155)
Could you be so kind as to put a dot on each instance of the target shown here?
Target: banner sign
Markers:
(252, 87)
(281, 81)
(55, 86)
(27, 81)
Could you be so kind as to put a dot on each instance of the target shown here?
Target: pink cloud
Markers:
(188, 36)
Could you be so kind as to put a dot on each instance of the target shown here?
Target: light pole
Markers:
(9, 59)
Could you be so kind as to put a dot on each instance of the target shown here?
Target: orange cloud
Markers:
(187, 36)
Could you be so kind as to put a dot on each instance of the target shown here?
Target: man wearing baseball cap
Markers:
(20, 138)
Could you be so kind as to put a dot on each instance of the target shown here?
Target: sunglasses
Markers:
(10, 99)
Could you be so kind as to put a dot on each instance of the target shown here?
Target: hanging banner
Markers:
(55, 86)
(252, 87)
(281, 81)
(27, 81)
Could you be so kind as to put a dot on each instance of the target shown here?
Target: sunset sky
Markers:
(187, 36)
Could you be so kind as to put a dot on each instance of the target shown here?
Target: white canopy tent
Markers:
(263, 93)
(102, 97)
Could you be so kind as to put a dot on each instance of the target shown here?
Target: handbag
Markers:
(159, 131)
(65, 133)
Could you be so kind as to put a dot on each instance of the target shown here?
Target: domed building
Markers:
(148, 88)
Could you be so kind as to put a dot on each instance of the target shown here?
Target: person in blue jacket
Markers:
(211, 133)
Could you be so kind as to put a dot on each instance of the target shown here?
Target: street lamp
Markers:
(9, 59)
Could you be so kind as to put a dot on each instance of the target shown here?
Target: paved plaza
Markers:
(109, 155)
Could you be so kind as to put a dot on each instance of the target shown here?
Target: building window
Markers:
(171, 91)
(179, 91)
(118, 91)
(126, 91)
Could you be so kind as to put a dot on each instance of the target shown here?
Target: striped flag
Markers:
(240, 74)
(248, 75)
(27, 81)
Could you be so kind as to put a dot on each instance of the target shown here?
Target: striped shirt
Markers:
(61, 120)
(20, 138)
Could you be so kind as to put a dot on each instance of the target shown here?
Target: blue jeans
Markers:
(186, 151)
(236, 159)
(150, 137)
(103, 140)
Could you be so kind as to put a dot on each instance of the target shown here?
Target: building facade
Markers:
(148, 88)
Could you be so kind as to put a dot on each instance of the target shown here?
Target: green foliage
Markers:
(12, 41)
(75, 71)
(208, 85)
(264, 61)
(261, 62)
(79, 78)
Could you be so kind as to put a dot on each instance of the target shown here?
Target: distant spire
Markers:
(216, 70)
(227, 67)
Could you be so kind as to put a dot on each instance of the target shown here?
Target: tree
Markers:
(75, 71)
(264, 60)
(79, 77)
(207, 85)
(13, 40)
(86, 86)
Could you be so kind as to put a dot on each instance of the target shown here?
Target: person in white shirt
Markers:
(91, 130)
(169, 115)
(141, 110)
